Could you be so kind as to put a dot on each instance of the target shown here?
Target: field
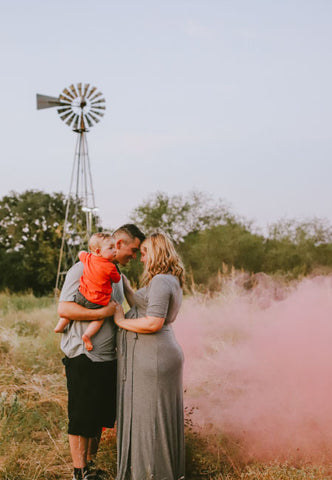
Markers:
(33, 442)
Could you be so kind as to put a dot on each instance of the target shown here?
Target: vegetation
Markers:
(208, 235)
(33, 423)
(31, 227)
(33, 439)
(206, 232)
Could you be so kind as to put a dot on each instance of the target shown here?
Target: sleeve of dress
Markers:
(114, 274)
(159, 295)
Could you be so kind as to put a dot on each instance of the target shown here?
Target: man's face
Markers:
(127, 249)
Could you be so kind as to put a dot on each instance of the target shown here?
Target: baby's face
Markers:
(108, 250)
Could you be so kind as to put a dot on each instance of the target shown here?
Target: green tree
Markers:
(297, 247)
(233, 244)
(205, 232)
(179, 215)
(30, 240)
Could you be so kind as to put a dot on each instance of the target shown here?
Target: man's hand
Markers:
(108, 310)
(73, 311)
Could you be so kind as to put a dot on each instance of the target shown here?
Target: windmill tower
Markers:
(80, 108)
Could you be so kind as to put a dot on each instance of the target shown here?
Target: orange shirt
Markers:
(98, 273)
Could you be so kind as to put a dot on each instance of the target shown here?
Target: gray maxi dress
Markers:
(150, 423)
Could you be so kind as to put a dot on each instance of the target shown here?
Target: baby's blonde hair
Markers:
(97, 240)
(161, 258)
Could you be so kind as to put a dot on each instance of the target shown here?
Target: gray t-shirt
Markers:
(104, 342)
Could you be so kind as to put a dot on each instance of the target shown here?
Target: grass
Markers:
(33, 423)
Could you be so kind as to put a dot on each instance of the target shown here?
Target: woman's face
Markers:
(144, 255)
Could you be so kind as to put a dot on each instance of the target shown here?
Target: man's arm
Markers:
(73, 311)
(69, 309)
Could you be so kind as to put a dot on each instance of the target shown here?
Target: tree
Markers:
(298, 246)
(30, 238)
(233, 244)
(179, 215)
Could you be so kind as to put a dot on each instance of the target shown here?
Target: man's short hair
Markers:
(131, 230)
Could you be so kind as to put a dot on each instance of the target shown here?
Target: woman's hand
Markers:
(126, 283)
(138, 325)
(118, 315)
(128, 291)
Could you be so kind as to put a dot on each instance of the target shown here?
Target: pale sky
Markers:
(230, 97)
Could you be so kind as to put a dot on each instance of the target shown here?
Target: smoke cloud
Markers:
(258, 365)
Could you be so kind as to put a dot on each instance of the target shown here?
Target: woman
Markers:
(150, 421)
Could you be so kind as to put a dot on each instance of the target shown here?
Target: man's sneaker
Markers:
(102, 474)
(85, 474)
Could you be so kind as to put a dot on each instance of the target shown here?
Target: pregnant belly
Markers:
(158, 354)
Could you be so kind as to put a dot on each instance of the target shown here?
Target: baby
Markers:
(96, 282)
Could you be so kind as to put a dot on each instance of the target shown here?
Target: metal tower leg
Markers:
(80, 219)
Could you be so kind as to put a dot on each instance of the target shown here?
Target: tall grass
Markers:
(33, 420)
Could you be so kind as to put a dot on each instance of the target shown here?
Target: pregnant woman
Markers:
(150, 422)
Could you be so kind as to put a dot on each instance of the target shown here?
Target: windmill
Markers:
(80, 108)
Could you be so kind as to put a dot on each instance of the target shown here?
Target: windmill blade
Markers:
(102, 100)
(99, 107)
(88, 120)
(86, 88)
(96, 96)
(90, 117)
(66, 92)
(93, 89)
(79, 88)
(94, 118)
(72, 88)
(98, 112)
(70, 119)
(44, 101)
(76, 120)
(95, 112)
(66, 115)
(63, 110)
(65, 100)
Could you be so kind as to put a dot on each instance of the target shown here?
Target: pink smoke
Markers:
(260, 369)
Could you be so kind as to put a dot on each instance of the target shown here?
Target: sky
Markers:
(228, 97)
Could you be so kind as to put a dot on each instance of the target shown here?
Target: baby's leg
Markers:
(91, 330)
(61, 325)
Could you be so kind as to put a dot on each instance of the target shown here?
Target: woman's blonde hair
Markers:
(161, 258)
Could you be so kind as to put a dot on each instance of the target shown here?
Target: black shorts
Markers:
(91, 395)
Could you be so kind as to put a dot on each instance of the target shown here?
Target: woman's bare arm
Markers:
(73, 311)
(139, 325)
(128, 291)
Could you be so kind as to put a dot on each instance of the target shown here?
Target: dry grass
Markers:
(33, 439)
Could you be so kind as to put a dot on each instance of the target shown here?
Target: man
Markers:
(91, 376)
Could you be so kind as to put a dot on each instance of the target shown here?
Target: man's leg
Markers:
(91, 405)
(93, 444)
(79, 450)
(83, 412)
(83, 452)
